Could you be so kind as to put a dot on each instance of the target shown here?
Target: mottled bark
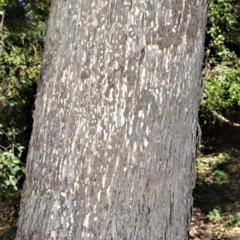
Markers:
(112, 153)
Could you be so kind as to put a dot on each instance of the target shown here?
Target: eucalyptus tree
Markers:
(113, 147)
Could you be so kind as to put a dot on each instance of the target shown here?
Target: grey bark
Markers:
(113, 147)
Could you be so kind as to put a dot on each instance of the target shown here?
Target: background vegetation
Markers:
(221, 98)
(21, 45)
(22, 28)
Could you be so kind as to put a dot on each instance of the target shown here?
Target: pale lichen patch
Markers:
(99, 195)
(146, 142)
(103, 180)
(53, 234)
(63, 194)
(130, 130)
(86, 220)
(76, 185)
(134, 147)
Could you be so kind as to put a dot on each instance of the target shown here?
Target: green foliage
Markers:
(219, 159)
(222, 91)
(11, 167)
(219, 175)
(233, 220)
(223, 29)
(208, 168)
(222, 63)
(215, 215)
(20, 58)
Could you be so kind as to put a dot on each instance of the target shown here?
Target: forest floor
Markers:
(216, 211)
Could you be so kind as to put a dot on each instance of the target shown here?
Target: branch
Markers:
(1, 25)
(224, 119)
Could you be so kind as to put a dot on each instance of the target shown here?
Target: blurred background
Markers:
(216, 212)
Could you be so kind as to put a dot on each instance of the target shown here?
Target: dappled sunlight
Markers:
(216, 211)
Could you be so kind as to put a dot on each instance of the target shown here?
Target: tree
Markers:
(112, 152)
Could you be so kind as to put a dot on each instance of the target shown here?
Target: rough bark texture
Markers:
(112, 153)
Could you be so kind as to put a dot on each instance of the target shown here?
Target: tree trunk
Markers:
(113, 147)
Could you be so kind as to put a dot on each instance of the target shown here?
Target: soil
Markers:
(222, 195)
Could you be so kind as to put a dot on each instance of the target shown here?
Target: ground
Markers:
(216, 211)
